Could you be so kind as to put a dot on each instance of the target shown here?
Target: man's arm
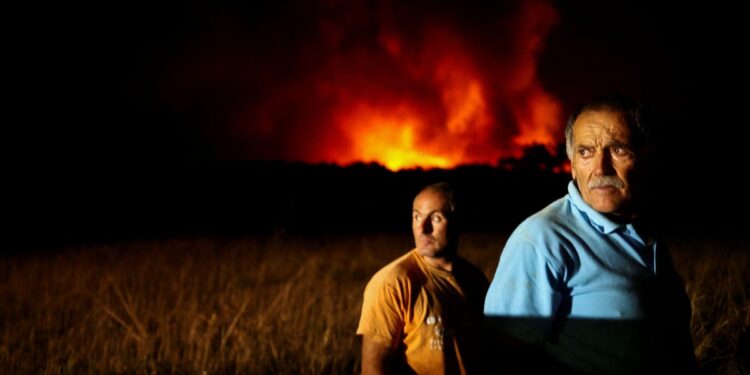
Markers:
(522, 299)
(377, 358)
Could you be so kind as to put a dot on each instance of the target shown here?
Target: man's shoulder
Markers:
(548, 233)
(550, 220)
(401, 270)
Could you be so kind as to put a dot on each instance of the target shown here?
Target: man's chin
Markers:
(427, 251)
(608, 207)
(433, 251)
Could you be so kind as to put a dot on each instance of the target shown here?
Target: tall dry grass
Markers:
(717, 280)
(264, 306)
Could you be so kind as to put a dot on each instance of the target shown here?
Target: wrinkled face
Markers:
(603, 161)
(430, 224)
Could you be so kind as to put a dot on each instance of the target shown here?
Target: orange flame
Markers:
(398, 136)
(387, 83)
(390, 138)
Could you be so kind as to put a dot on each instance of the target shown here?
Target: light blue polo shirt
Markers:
(570, 249)
(594, 293)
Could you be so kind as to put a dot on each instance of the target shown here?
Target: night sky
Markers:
(102, 93)
(169, 81)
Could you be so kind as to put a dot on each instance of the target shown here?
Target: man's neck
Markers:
(444, 263)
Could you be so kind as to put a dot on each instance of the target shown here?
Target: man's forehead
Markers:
(596, 124)
(442, 209)
(430, 201)
(601, 115)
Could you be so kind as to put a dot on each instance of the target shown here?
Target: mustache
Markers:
(602, 181)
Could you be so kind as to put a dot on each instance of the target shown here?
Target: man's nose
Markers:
(603, 164)
(425, 226)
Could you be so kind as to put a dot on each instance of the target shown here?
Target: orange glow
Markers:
(458, 124)
(466, 108)
(566, 167)
(539, 122)
(392, 144)
(400, 136)
(390, 137)
(383, 82)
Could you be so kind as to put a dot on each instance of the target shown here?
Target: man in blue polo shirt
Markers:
(582, 280)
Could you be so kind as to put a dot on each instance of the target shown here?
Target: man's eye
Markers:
(584, 152)
(620, 151)
(437, 219)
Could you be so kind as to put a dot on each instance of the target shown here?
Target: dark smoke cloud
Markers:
(267, 81)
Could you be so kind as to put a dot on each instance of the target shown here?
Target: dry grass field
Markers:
(272, 305)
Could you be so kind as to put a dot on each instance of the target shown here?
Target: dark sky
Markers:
(101, 88)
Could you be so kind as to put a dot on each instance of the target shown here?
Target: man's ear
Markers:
(572, 169)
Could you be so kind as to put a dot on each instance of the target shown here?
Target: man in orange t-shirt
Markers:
(422, 313)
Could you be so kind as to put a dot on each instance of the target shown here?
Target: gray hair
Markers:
(631, 110)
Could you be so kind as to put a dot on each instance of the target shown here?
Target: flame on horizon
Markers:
(397, 86)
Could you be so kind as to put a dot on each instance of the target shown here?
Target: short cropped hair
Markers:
(446, 190)
(631, 110)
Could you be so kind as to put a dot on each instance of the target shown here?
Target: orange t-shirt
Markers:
(432, 317)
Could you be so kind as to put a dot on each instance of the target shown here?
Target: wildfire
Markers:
(454, 130)
(391, 141)
(388, 84)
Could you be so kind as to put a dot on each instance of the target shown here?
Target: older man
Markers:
(422, 313)
(583, 279)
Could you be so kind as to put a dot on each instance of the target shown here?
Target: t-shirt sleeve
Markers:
(525, 282)
(382, 311)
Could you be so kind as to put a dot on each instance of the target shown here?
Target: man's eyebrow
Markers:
(617, 143)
